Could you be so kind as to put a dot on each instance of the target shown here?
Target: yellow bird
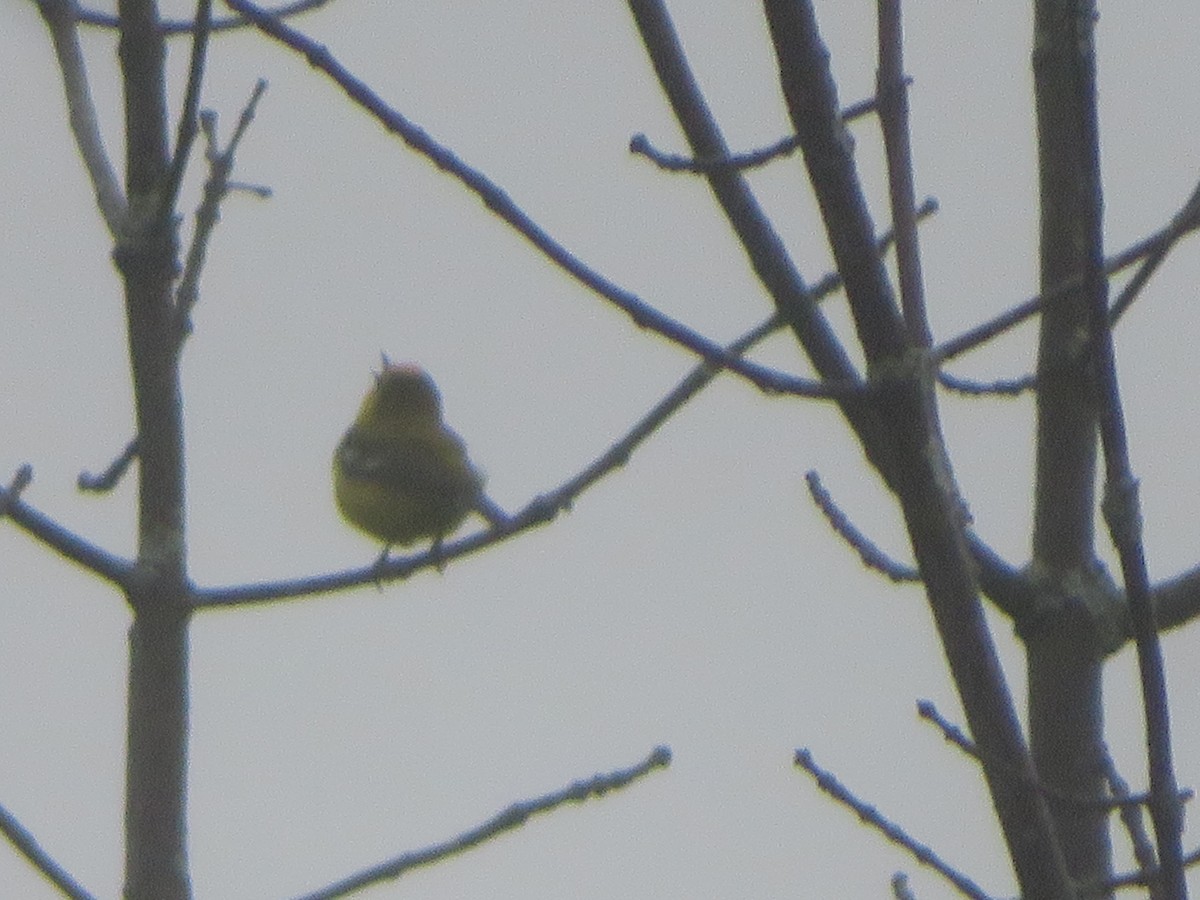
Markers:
(399, 473)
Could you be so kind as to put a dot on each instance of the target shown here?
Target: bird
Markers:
(399, 473)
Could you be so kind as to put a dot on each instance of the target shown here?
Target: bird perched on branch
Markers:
(399, 473)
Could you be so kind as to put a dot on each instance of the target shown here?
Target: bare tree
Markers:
(1054, 790)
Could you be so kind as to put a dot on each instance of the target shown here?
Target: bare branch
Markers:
(922, 853)
(1124, 802)
(893, 116)
(1184, 223)
(208, 213)
(27, 846)
(513, 817)
(1150, 251)
(59, 16)
(1131, 818)
(640, 145)
(146, 257)
(107, 565)
(919, 471)
(110, 477)
(188, 26)
(186, 132)
(1177, 600)
(187, 293)
(1120, 505)
(500, 203)
(20, 480)
(900, 888)
(868, 552)
(1010, 388)
(950, 732)
(810, 95)
(1140, 878)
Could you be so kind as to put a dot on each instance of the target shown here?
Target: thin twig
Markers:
(20, 480)
(1134, 822)
(892, 96)
(1122, 510)
(1139, 878)
(640, 145)
(186, 133)
(60, 17)
(208, 213)
(955, 735)
(1150, 251)
(1184, 223)
(108, 479)
(868, 552)
(923, 854)
(950, 732)
(1000, 388)
(187, 26)
(900, 888)
(513, 817)
(27, 845)
(111, 567)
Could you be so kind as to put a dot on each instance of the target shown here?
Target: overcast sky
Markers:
(694, 598)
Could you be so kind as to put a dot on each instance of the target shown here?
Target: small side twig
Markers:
(922, 853)
(513, 817)
(20, 480)
(107, 565)
(954, 735)
(1183, 223)
(108, 479)
(868, 552)
(208, 213)
(1012, 387)
(27, 846)
(640, 145)
(59, 16)
(186, 132)
(1132, 818)
(951, 732)
(891, 90)
(1138, 878)
(1187, 219)
(900, 888)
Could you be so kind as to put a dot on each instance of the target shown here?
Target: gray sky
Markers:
(694, 598)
